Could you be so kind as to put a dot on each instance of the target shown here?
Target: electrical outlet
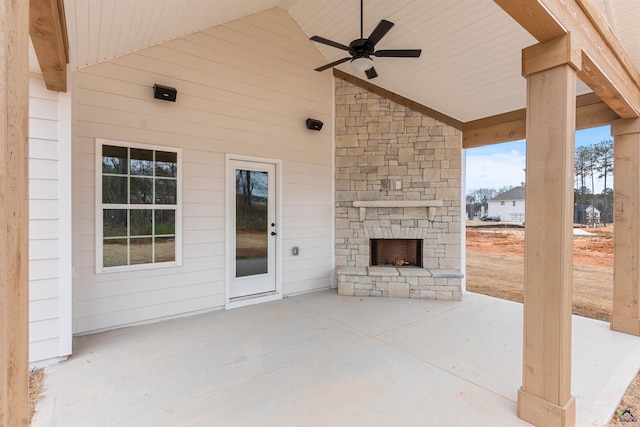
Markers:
(398, 185)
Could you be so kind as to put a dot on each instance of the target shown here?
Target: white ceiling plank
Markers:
(469, 68)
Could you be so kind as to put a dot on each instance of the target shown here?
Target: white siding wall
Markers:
(504, 212)
(244, 88)
(49, 230)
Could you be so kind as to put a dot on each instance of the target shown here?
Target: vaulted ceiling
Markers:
(470, 66)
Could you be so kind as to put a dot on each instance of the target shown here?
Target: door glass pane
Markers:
(251, 222)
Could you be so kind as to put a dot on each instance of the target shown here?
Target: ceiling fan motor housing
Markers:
(361, 48)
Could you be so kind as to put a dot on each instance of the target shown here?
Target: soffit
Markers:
(469, 69)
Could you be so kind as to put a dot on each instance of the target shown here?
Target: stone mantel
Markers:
(431, 206)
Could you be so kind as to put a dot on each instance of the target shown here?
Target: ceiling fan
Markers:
(361, 50)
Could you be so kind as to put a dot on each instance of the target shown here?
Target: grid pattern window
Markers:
(139, 218)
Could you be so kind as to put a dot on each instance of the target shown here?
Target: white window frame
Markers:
(100, 207)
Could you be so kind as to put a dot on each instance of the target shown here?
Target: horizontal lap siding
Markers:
(244, 88)
(44, 268)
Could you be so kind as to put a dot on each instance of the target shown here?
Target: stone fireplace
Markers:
(398, 200)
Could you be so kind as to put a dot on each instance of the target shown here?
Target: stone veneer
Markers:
(381, 145)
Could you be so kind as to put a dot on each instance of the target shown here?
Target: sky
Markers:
(499, 165)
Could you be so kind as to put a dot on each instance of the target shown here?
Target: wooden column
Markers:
(14, 212)
(545, 397)
(626, 260)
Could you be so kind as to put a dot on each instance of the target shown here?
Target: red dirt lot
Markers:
(596, 250)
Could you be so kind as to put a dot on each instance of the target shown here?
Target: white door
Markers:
(252, 228)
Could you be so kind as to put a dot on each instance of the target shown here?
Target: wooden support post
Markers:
(626, 259)
(14, 213)
(545, 397)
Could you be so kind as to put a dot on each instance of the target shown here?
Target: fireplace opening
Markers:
(396, 252)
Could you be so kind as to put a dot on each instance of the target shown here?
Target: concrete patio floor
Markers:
(326, 360)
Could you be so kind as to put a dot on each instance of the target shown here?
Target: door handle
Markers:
(273, 233)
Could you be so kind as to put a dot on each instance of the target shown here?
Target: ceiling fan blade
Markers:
(371, 73)
(329, 42)
(333, 64)
(379, 32)
(398, 53)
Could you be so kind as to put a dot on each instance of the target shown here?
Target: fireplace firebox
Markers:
(396, 252)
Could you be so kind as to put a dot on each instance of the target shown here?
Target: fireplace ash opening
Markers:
(396, 252)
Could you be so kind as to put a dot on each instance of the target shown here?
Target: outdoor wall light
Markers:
(314, 124)
(165, 93)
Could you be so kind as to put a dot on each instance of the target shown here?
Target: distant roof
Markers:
(516, 193)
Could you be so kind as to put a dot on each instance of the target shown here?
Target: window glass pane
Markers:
(141, 191)
(140, 222)
(165, 222)
(141, 250)
(165, 249)
(166, 164)
(166, 192)
(114, 159)
(114, 223)
(114, 252)
(141, 162)
(114, 189)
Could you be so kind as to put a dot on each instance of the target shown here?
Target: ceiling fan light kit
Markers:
(362, 63)
(362, 49)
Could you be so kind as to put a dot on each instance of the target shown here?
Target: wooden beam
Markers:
(549, 54)
(398, 99)
(606, 67)
(14, 213)
(626, 246)
(545, 397)
(48, 30)
(591, 111)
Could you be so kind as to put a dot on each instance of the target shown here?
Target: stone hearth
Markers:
(398, 176)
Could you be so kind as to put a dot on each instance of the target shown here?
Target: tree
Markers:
(581, 171)
(604, 167)
(480, 196)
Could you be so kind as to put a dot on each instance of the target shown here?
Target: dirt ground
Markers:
(495, 266)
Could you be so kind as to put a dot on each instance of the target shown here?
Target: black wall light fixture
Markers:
(165, 93)
(314, 124)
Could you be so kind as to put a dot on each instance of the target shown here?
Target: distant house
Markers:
(586, 214)
(509, 206)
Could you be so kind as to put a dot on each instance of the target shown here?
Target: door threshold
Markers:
(252, 299)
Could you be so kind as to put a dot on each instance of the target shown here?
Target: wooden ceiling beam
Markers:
(591, 111)
(605, 67)
(48, 31)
